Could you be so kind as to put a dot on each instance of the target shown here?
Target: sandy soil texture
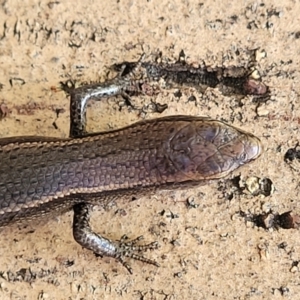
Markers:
(208, 250)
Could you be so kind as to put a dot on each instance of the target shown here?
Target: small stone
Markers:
(255, 74)
(259, 54)
(252, 185)
(294, 269)
(266, 186)
(262, 112)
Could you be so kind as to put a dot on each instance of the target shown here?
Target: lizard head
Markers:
(205, 149)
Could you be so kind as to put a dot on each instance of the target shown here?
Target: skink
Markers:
(42, 177)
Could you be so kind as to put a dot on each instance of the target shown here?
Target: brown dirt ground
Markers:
(208, 252)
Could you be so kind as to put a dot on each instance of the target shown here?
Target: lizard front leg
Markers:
(120, 249)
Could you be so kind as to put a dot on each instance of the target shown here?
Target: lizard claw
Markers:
(128, 248)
